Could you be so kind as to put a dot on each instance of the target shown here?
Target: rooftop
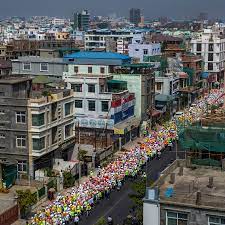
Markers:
(97, 55)
(194, 180)
(13, 80)
(38, 59)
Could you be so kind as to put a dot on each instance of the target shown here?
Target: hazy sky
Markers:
(151, 8)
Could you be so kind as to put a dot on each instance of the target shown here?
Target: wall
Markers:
(151, 213)
(83, 69)
(54, 70)
(134, 85)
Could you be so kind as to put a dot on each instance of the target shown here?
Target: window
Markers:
(105, 106)
(68, 108)
(210, 57)
(78, 104)
(102, 70)
(76, 87)
(145, 51)
(44, 67)
(210, 66)
(2, 136)
(158, 86)
(2, 112)
(76, 69)
(38, 119)
(91, 105)
(89, 69)
(137, 50)
(22, 166)
(175, 218)
(91, 88)
(68, 130)
(20, 117)
(215, 220)
(210, 47)
(199, 47)
(21, 141)
(38, 143)
(27, 66)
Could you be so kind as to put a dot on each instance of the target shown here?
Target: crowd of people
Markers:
(80, 200)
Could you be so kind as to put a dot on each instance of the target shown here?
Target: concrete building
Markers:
(51, 127)
(14, 142)
(141, 81)
(104, 107)
(183, 195)
(35, 129)
(139, 48)
(82, 20)
(98, 39)
(211, 47)
(53, 68)
(135, 16)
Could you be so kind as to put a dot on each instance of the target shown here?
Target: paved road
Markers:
(118, 206)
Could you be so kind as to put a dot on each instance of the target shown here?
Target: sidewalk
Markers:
(19, 222)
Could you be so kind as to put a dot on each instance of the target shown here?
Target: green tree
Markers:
(68, 179)
(81, 155)
(101, 221)
(25, 199)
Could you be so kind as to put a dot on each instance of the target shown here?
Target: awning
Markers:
(163, 98)
(205, 75)
(155, 113)
(124, 127)
(183, 75)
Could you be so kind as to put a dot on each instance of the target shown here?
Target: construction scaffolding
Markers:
(208, 134)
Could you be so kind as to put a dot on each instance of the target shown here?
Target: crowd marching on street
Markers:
(80, 200)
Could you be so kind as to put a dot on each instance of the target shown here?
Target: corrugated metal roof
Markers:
(97, 55)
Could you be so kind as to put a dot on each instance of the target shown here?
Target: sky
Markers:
(177, 9)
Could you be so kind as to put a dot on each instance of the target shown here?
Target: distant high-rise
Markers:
(135, 16)
(81, 20)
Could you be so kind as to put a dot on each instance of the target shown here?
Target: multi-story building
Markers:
(104, 107)
(135, 16)
(211, 47)
(141, 81)
(98, 39)
(186, 194)
(35, 127)
(14, 145)
(139, 48)
(50, 127)
(82, 20)
(33, 66)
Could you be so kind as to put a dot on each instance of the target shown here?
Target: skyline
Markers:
(177, 9)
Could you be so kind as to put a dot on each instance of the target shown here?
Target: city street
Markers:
(118, 206)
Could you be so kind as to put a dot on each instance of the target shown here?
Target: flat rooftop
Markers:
(195, 180)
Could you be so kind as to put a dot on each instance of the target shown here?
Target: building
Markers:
(15, 93)
(104, 106)
(141, 81)
(51, 127)
(82, 20)
(211, 47)
(36, 125)
(183, 195)
(5, 67)
(139, 48)
(135, 16)
(33, 66)
(102, 39)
